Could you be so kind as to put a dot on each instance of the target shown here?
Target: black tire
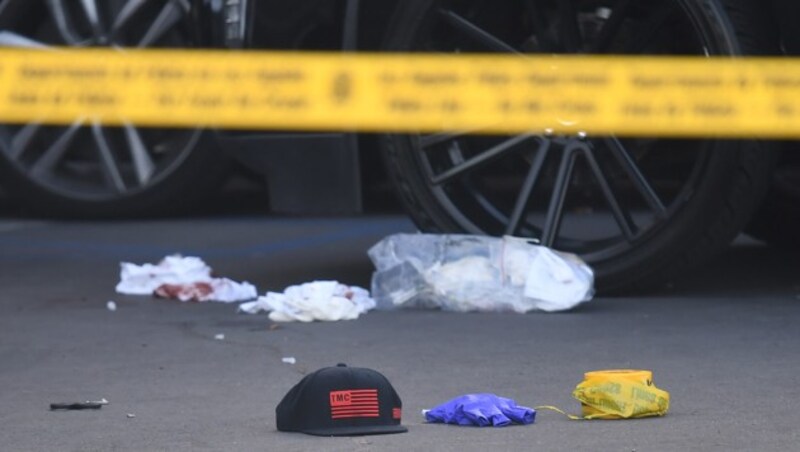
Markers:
(705, 190)
(105, 172)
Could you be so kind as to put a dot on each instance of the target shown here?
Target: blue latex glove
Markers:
(482, 410)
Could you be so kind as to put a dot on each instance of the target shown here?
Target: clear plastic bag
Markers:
(476, 273)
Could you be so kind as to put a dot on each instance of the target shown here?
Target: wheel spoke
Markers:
(142, 162)
(170, 15)
(109, 163)
(612, 26)
(50, 158)
(636, 176)
(479, 160)
(22, 140)
(65, 29)
(489, 206)
(569, 29)
(527, 188)
(426, 141)
(477, 33)
(11, 39)
(125, 14)
(555, 211)
(623, 219)
(93, 17)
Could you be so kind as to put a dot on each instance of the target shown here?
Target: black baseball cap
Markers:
(341, 401)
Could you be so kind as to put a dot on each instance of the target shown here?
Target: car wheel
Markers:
(87, 169)
(639, 210)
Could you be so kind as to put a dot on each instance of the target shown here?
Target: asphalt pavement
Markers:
(724, 343)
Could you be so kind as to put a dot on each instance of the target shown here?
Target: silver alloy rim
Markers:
(86, 160)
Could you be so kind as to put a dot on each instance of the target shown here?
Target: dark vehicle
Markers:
(639, 210)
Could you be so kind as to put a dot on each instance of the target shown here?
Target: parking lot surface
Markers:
(723, 342)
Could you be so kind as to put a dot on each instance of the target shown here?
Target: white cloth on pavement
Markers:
(318, 300)
(184, 278)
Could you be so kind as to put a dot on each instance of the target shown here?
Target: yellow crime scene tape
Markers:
(639, 96)
(618, 394)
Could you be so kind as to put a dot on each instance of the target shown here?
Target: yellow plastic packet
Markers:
(618, 394)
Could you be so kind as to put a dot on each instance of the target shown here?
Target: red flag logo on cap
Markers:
(354, 403)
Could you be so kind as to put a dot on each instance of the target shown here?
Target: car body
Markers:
(639, 210)
(684, 231)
